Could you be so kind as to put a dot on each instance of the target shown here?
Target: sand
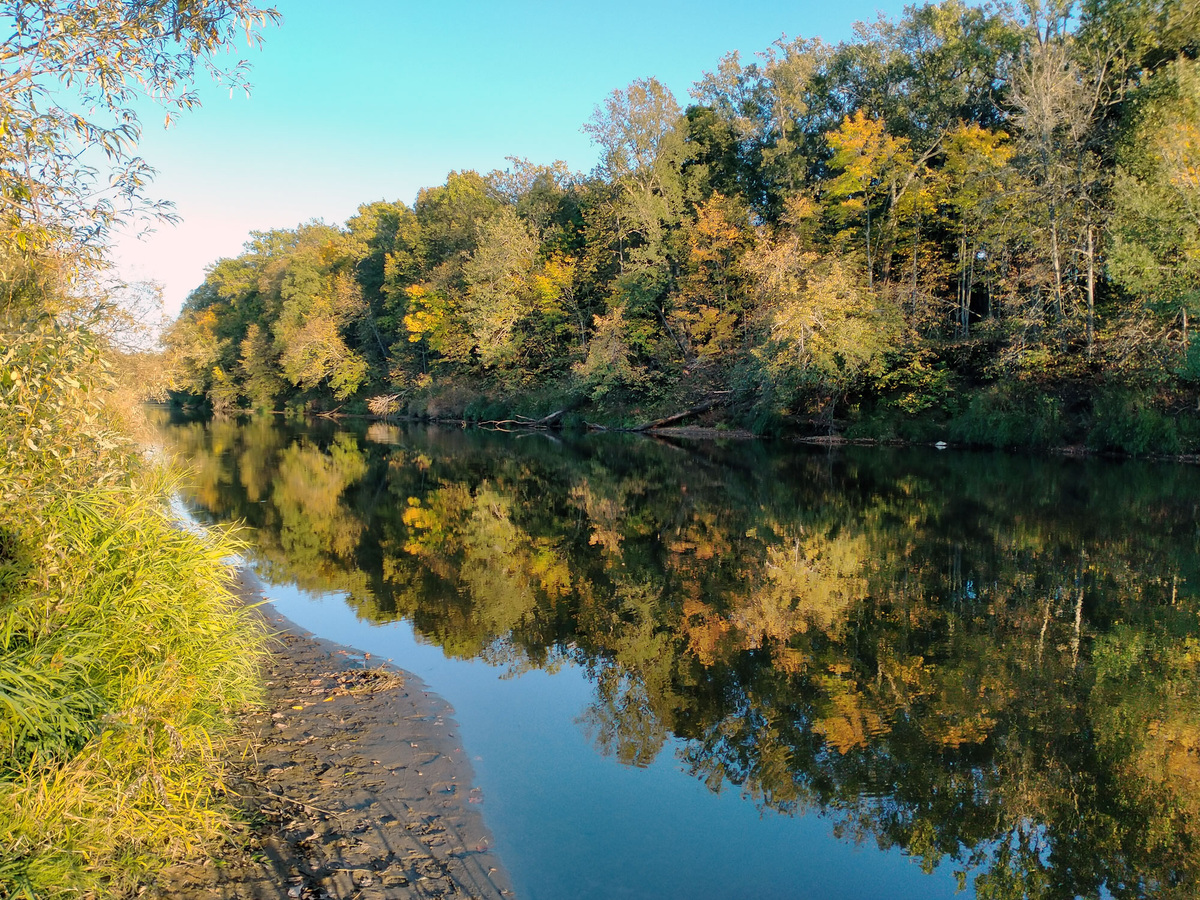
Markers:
(355, 784)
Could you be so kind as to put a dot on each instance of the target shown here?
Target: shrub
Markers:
(1127, 421)
(1011, 416)
(122, 651)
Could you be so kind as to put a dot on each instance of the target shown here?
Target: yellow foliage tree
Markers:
(826, 328)
(710, 310)
(874, 170)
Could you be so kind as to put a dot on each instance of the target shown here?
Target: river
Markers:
(749, 669)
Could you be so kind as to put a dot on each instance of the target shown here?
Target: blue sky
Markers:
(372, 100)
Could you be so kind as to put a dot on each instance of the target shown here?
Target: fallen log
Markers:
(526, 422)
(704, 407)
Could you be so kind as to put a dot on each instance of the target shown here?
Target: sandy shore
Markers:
(355, 784)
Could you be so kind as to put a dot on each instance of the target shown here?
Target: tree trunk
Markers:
(687, 413)
(1058, 291)
(1091, 293)
(916, 250)
(966, 307)
(870, 262)
(963, 291)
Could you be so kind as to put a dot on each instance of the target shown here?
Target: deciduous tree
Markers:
(71, 73)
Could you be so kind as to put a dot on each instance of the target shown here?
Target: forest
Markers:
(972, 223)
(977, 223)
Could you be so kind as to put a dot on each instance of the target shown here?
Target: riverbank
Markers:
(354, 783)
(1118, 432)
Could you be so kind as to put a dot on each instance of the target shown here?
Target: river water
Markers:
(749, 669)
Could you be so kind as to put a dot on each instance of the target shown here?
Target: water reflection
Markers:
(986, 660)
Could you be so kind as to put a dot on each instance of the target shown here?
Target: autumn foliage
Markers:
(970, 222)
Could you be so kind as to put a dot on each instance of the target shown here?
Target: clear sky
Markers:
(371, 99)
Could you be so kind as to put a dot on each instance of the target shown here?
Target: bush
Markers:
(574, 422)
(1126, 420)
(1011, 416)
(889, 423)
(485, 409)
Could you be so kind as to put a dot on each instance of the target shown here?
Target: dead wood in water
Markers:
(525, 422)
(711, 403)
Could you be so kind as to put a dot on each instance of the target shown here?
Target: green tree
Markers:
(310, 331)
(70, 73)
(1155, 234)
(193, 351)
(260, 368)
(639, 132)
(770, 109)
(1058, 97)
(499, 294)
(451, 215)
(379, 245)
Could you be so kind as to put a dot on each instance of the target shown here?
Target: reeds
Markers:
(123, 652)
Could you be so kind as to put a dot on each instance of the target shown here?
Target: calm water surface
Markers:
(752, 670)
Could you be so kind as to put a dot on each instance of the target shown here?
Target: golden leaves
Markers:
(868, 157)
(849, 721)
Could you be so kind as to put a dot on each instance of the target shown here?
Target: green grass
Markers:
(123, 653)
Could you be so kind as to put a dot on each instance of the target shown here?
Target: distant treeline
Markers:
(973, 221)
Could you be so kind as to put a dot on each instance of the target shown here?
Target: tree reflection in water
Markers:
(988, 659)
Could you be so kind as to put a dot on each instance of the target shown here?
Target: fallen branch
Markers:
(308, 807)
(526, 422)
(547, 421)
(384, 405)
(704, 407)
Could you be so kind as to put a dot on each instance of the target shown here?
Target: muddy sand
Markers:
(355, 785)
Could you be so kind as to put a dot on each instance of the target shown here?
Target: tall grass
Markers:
(123, 653)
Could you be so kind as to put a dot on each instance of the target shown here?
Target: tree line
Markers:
(981, 218)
